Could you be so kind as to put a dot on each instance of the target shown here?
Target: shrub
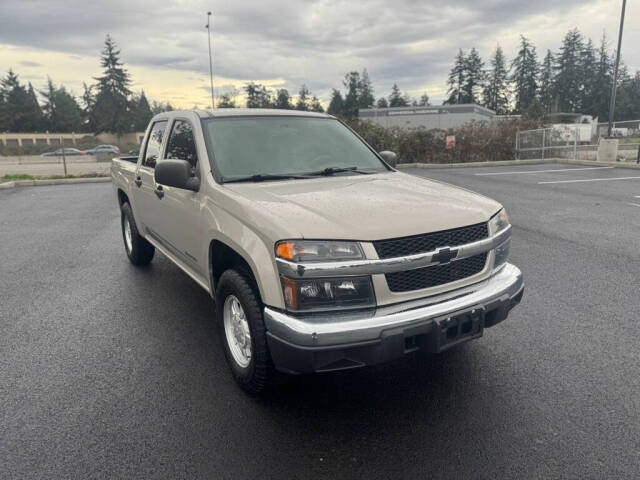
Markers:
(475, 141)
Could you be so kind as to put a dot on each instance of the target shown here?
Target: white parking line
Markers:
(543, 171)
(591, 180)
(634, 204)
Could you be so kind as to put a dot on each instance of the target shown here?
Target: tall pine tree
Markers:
(546, 83)
(396, 98)
(524, 75)
(495, 93)
(303, 98)
(111, 109)
(336, 104)
(366, 97)
(602, 82)
(456, 79)
(568, 80)
(473, 77)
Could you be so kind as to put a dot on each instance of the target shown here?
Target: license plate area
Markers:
(457, 329)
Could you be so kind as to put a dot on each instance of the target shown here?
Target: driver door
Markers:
(180, 214)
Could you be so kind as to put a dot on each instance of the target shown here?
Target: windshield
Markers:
(270, 146)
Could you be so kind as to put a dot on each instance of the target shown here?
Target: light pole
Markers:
(612, 106)
(208, 27)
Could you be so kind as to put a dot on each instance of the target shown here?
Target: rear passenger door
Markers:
(148, 208)
(181, 208)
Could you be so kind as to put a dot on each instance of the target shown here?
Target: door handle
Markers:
(159, 192)
(138, 181)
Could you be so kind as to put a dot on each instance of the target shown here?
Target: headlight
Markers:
(502, 254)
(498, 222)
(318, 251)
(328, 293)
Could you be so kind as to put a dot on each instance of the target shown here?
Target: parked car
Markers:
(103, 149)
(320, 255)
(68, 152)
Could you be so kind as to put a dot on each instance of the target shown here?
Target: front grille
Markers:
(435, 275)
(399, 247)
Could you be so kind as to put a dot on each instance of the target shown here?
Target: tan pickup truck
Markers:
(319, 254)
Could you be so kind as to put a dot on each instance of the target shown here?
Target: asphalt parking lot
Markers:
(108, 371)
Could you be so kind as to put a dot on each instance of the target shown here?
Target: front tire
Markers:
(242, 331)
(139, 251)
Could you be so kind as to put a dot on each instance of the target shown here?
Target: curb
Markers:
(403, 166)
(52, 181)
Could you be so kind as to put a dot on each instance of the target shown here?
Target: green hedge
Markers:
(475, 141)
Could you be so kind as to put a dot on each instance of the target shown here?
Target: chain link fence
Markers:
(577, 142)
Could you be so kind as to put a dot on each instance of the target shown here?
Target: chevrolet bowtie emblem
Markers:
(444, 255)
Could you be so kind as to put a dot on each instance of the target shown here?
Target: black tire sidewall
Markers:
(141, 251)
(237, 282)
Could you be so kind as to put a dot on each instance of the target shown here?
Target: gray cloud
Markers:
(313, 42)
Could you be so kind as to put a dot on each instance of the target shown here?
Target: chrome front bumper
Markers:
(333, 329)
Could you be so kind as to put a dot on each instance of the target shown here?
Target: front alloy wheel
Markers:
(236, 329)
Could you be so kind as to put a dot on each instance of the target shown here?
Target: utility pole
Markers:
(208, 27)
(612, 106)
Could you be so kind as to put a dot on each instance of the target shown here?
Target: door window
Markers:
(181, 144)
(154, 144)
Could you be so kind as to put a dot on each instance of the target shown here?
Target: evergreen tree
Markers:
(473, 77)
(257, 96)
(568, 80)
(525, 74)
(225, 101)
(424, 100)
(336, 104)
(603, 77)
(141, 112)
(88, 104)
(16, 103)
(628, 97)
(382, 103)
(316, 106)
(159, 107)
(283, 99)
(546, 83)
(303, 98)
(456, 79)
(352, 83)
(396, 98)
(495, 94)
(111, 109)
(366, 98)
(61, 110)
(34, 120)
(587, 69)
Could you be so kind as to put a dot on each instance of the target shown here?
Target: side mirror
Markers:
(389, 157)
(176, 173)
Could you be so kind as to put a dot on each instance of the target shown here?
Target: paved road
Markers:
(108, 371)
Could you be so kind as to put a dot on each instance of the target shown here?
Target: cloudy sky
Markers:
(286, 43)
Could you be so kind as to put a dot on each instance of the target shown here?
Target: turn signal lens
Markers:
(285, 250)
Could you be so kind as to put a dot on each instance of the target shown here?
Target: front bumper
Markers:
(341, 340)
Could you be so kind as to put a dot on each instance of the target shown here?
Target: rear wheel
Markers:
(242, 330)
(139, 251)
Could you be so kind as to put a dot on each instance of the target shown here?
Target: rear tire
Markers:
(242, 331)
(139, 251)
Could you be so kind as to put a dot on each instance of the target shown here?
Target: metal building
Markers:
(429, 117)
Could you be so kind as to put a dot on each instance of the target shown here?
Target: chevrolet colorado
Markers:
(319, 254)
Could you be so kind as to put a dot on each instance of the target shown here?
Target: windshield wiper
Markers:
(260, 177)
(331, 170)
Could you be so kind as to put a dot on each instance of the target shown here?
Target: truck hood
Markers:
(360, 207)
